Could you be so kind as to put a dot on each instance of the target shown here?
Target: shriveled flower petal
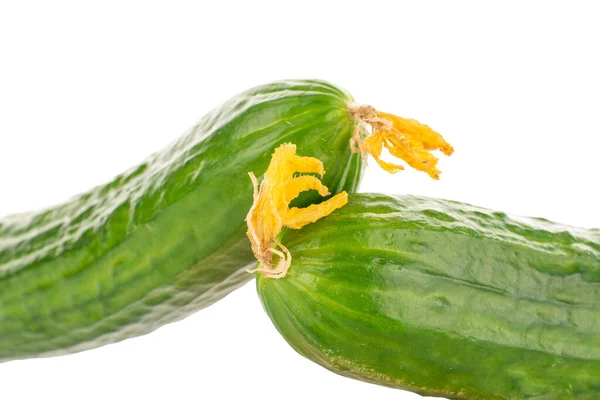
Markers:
(405, 138)
(270, 211)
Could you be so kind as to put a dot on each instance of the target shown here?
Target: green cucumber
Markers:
(445, 299)
(167, 237)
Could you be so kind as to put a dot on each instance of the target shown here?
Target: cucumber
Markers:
(167, 237)
(443, 298)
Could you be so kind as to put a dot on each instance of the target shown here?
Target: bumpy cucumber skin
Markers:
(444, 299)
(166, 238)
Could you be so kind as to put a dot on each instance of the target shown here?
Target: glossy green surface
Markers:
(166, 238)
(444, 299)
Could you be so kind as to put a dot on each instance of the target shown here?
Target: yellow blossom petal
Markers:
(406, 139)
(374, 145)
(270, 211)
(296, 218)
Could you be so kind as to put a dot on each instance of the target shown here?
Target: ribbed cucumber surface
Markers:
(444, 299)
(167, 237)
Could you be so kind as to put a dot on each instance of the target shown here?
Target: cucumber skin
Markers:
(445, 299)
(166, 238)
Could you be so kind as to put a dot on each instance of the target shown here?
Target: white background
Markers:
(88, 91)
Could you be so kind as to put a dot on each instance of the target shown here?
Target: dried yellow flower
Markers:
(270, 211)
(406, 139)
